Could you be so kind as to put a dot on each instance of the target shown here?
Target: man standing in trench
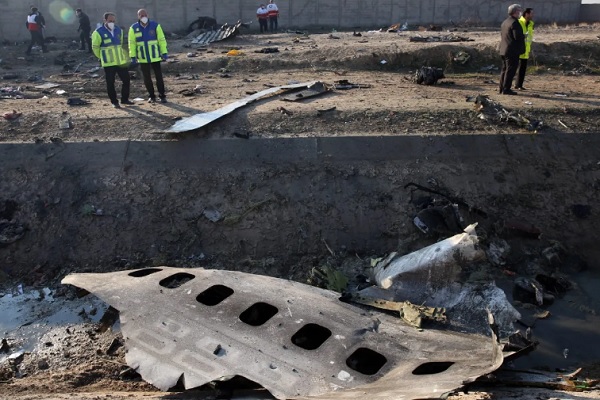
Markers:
(526, 22)
(148, 47)
(107, 45)
(512, 45)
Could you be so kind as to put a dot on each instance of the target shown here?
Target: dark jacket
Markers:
(512, 43)
(84, 23)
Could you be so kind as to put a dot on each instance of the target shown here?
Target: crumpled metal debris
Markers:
(433, 266)
(462, 57)
(432, 277)
(195, 326)
(428, 75)
(412, 314)
(544, 379)
(439, 220)
(200, 120)
(531, 291)
(430, 28)
(315, 89)
(9, 92)
(344, 84)
(465, 304)
(441, 38)
(267, 50)
(77, 101)
(490, 110)
(225, 32)
(398, 27)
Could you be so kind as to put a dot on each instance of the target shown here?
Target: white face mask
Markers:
(144, 20)
(111, 25)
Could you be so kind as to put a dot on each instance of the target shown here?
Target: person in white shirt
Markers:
(273, 13)
(262, 14)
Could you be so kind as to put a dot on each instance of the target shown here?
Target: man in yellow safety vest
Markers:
(107, 45)
(526, 22)
(148, 47)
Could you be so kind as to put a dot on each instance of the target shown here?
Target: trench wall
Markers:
(281, 198)
(365, 14)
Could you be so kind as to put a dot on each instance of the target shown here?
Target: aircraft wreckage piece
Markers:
(225, 32)
(434, 265)
(198, 121)
(196, 326)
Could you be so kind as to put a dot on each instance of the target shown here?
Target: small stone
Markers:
(43, 364)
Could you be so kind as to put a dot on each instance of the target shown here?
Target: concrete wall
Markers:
(177, 14)
(589, 13)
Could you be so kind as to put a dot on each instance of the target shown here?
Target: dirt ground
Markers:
(562, 81)
(563, 84)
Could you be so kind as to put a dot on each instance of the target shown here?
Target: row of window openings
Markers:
(309, 337)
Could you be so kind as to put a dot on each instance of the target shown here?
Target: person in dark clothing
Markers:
(512, 45)
(85, 29)
(35, 25)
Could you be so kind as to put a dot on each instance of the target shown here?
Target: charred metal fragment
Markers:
(295, 340)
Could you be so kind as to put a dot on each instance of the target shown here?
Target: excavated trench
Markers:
(280, 207)
(125, 204)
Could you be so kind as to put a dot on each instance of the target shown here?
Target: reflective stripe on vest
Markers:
(111, 49)
(147, 47)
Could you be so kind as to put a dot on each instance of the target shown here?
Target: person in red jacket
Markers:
(35, 25)
(273, 13)
(262, 14)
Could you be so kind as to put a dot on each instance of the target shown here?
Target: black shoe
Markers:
(128, 102)
(163, 99)
(151, 100)
(509, 92)
(116, 105)
(520, 88)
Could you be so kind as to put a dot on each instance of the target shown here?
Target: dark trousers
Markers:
(263, 25)
(509, 69)
(123, 73)
(84, 37)
(37, 37)
(160, 84)
(522, 71)
(272, 24)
